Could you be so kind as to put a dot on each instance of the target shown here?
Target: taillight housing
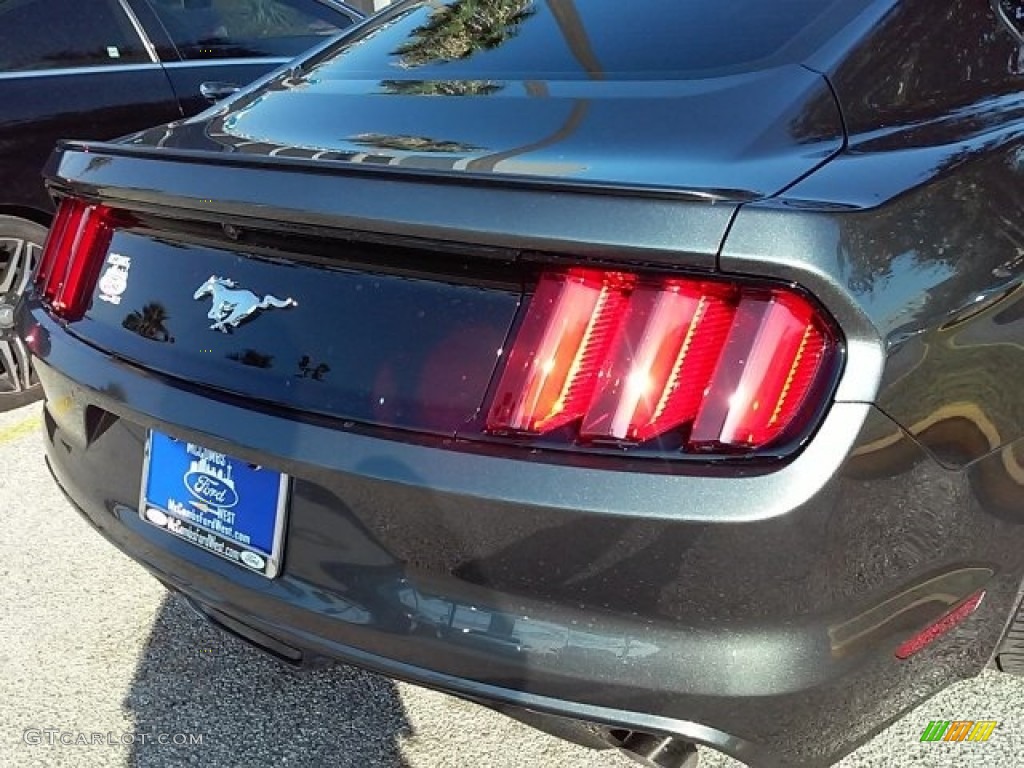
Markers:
(73, 255)
(689, 364)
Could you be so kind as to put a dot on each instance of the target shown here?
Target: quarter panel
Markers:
(927, 203)
(920, 236)
(913, 61)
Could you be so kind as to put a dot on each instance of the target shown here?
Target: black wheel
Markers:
(21, 245)
(1010, 655)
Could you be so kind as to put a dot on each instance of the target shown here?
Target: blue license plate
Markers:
(214, 501)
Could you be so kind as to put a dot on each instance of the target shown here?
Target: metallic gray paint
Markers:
(753, 609)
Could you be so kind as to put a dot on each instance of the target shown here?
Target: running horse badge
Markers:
(233, 305)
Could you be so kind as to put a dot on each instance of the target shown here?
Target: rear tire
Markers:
(21, 244)
(1010, 656)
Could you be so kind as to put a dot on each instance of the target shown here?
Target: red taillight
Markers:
(626, 359)
(74, 251)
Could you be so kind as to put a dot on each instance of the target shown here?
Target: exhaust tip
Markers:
(655, 751)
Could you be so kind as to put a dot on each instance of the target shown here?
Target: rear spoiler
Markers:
(553, 216)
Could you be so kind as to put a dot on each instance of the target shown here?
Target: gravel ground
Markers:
(94, 645)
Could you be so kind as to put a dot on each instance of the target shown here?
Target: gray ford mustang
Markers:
(650, 372)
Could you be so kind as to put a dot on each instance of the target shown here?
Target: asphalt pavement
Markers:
(101, 668)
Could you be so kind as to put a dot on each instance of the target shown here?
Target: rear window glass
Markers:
(53, 34)
(593, 39)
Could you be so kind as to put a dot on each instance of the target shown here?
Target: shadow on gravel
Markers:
(252, 711)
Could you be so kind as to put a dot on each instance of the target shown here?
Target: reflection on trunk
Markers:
(441, 87)
(462, 28)
(411, 143)
(150, 323)
(307, 369)
(252, 358)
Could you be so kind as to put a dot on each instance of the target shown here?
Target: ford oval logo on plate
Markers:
(211, 488)
(252, 560)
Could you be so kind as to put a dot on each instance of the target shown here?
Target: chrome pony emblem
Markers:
(232, 305)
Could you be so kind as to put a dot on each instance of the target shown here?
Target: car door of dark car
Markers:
(70, 69)
(230, 43)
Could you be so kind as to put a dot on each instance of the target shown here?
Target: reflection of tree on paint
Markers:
(411, 143)
(96, 163)
(441, 87)
(979, 227)
(462, 28)
(252, 358)
(149, 323)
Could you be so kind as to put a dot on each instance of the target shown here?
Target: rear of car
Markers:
(513, 352)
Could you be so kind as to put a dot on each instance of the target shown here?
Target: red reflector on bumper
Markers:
(937, 629)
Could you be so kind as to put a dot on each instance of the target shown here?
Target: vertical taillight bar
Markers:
(549, 377)
(774, 354)
(671, 337)
(73, 254)
(65, 227)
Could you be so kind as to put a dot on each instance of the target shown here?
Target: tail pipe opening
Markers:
(653, 750)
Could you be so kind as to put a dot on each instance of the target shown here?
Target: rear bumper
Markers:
(757, 614)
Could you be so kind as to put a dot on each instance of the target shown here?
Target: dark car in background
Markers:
(657, 383)
(99, 69)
